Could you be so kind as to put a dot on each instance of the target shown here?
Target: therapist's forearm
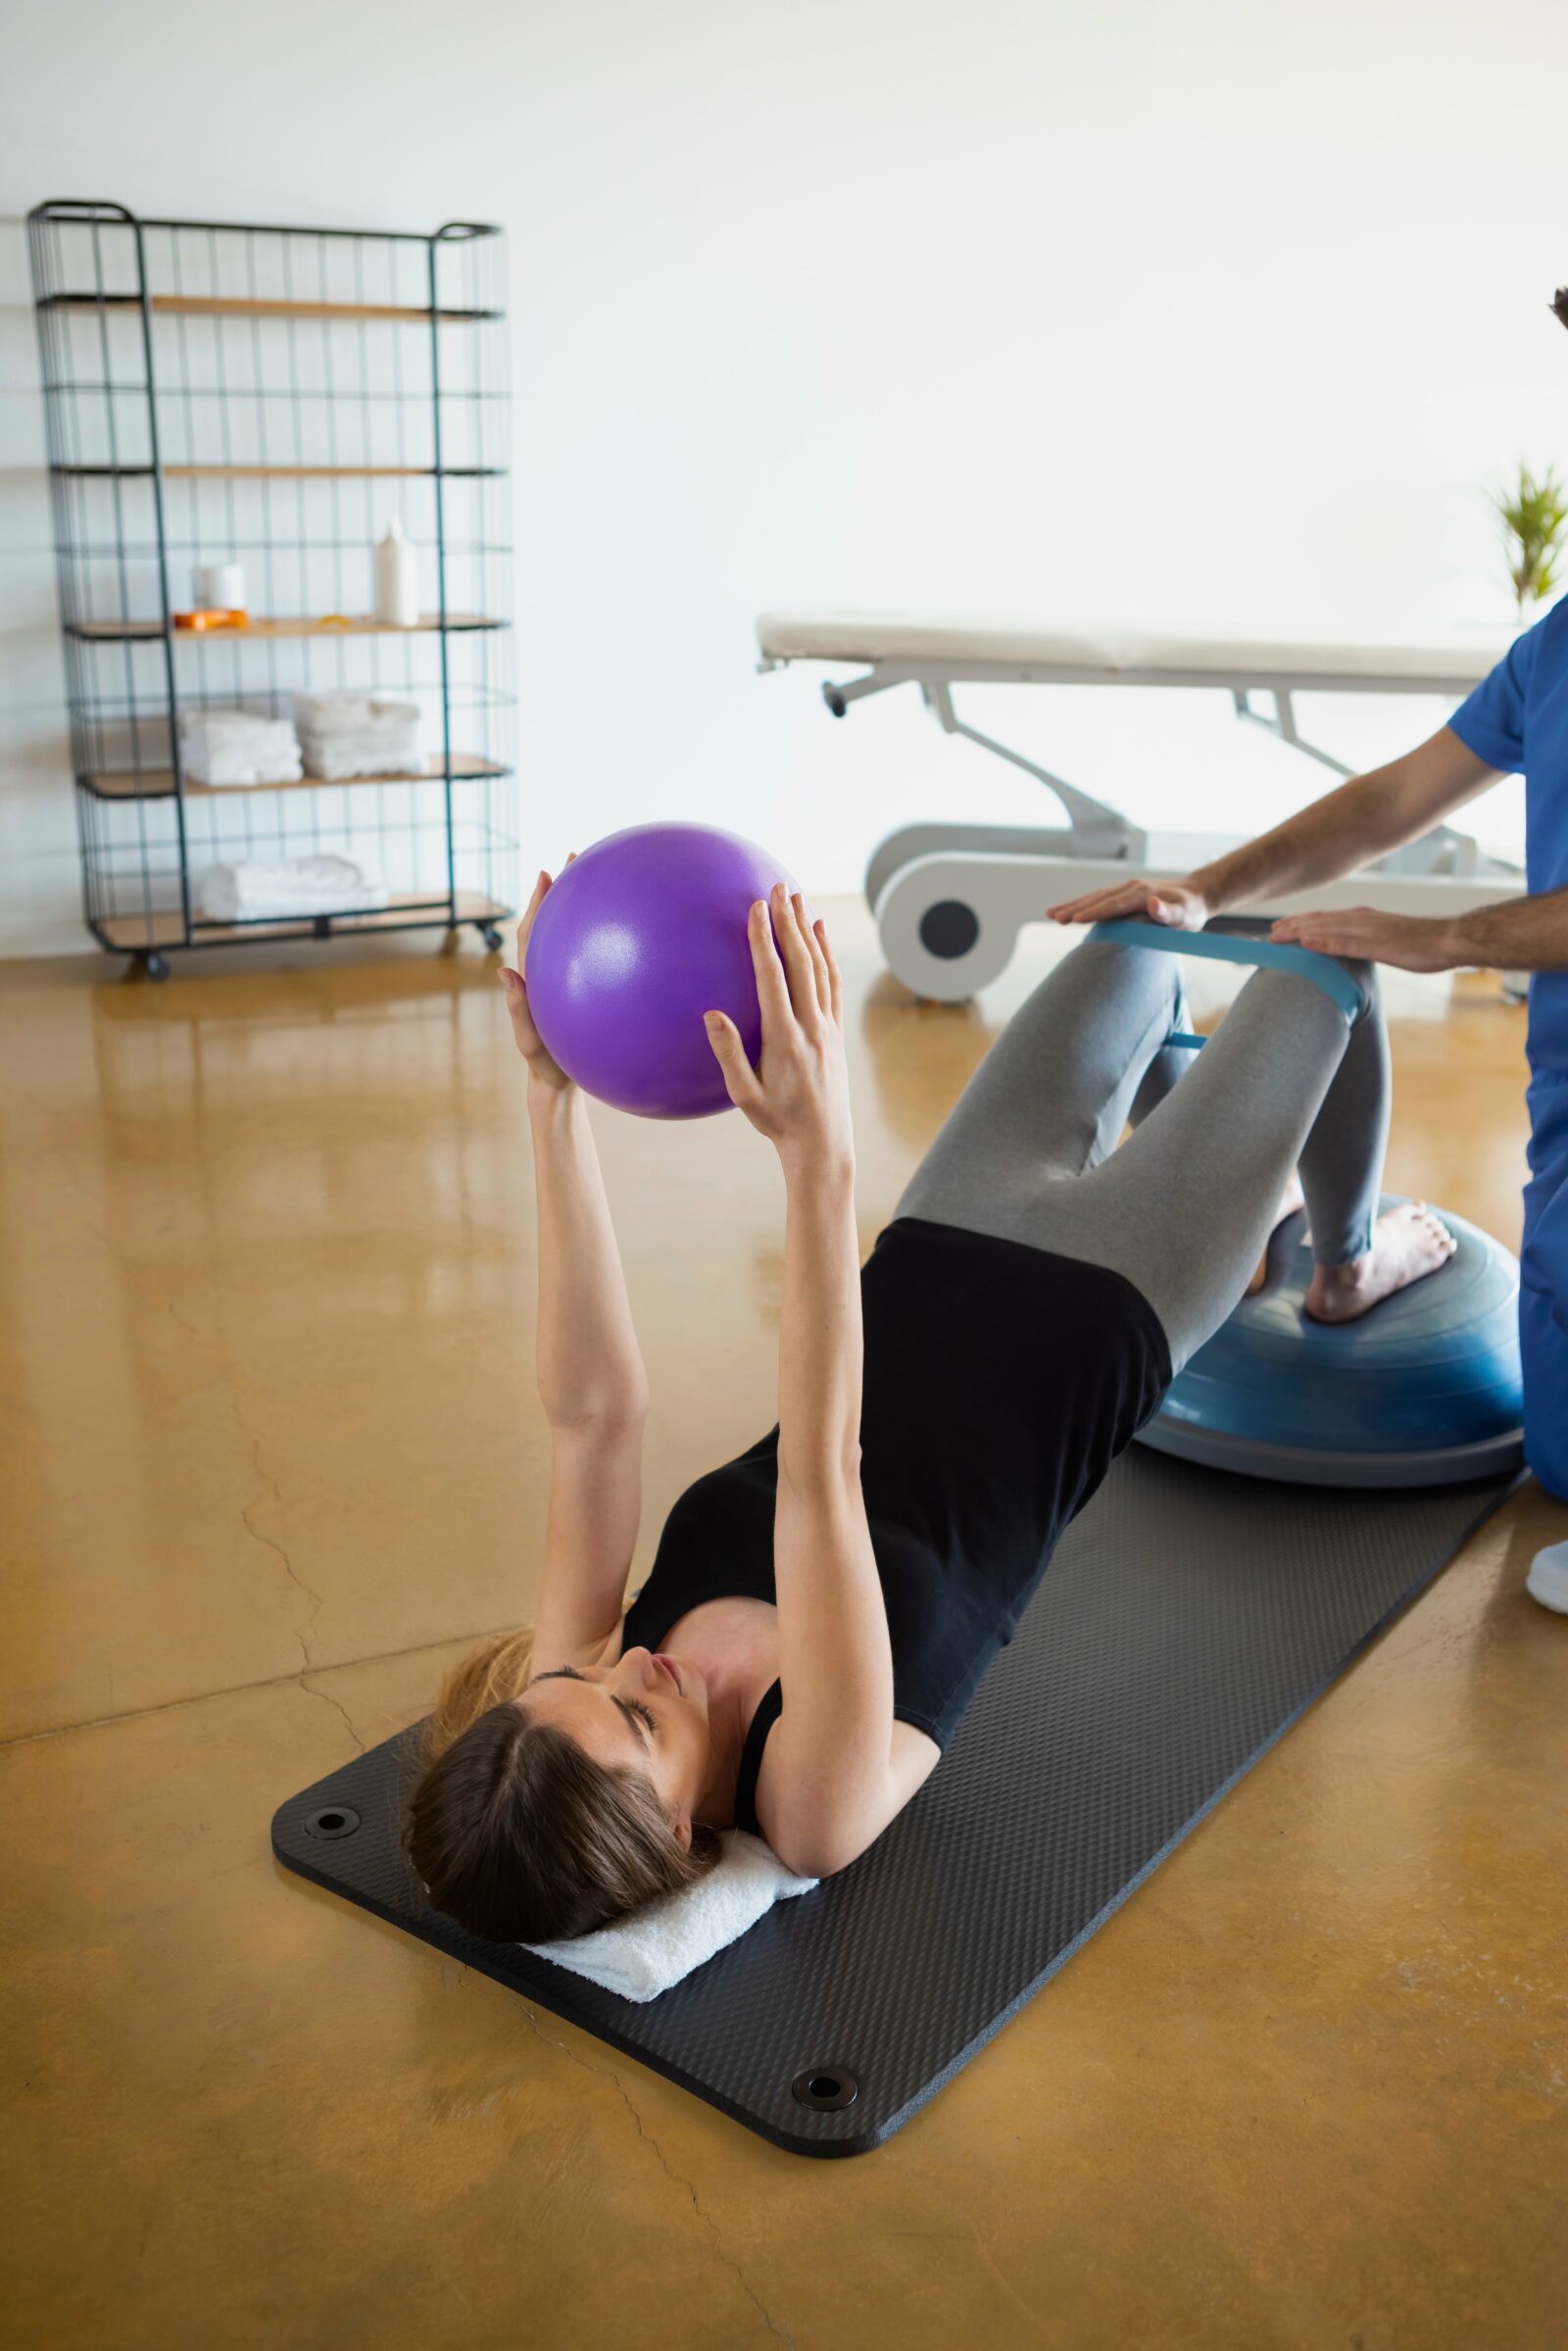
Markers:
(1363, 819)
(1522, 934)
(1348, 828)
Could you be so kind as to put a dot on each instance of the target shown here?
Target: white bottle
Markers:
(397, 580)
(219, 587)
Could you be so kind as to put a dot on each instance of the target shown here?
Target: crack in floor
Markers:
(327, 1699)
(988, 2258)
(307, 1590)
(231, 1690)
(608, 2074)
(315, 1598)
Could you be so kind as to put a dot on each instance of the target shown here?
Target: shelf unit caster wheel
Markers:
(155, 967)
(490, 935)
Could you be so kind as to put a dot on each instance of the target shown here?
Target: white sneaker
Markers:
(1547, 1580)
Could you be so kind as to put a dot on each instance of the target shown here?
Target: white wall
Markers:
(1217, 314)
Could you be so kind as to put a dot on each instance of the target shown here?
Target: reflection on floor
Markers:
(272, 1451)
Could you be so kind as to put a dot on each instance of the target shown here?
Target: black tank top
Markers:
(1000, 1383)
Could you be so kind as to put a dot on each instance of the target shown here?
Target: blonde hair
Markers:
(489, 1675)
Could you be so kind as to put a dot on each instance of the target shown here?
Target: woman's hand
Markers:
(541, 1064)
(798, 1093)
(1176, 903)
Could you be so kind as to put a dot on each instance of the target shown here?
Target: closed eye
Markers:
(629, 1707)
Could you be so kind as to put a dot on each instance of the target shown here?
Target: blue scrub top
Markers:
(1518, 718)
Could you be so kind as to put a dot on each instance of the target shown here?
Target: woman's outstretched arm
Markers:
(591, 1376)
(828, 1786)
(590, 1365)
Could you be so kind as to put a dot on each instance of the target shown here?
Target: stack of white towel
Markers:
(250, 890)
(356, 734)
(237, 747)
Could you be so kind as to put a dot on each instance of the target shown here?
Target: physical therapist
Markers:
(1516, 719)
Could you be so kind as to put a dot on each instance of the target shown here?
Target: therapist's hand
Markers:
(1175, 904)
(1407, 942)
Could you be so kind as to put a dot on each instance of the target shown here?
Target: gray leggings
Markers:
(1183, 1210)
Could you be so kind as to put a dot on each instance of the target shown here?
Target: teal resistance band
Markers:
(1243, 947)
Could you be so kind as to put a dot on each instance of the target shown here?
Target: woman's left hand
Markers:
(542, 1064)
(798, 1094)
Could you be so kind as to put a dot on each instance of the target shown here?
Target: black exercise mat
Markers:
(1187, 1619)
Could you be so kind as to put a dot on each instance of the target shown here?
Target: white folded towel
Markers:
(227, 725)
(385, 751)
(351, 714)
(356, 734)
(248, 888)
(237, 747)
(644, 1954)
(215, 768)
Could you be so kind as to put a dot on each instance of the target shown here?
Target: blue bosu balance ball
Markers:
(1423, 1391)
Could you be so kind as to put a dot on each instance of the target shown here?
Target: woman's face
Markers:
(644, 1712)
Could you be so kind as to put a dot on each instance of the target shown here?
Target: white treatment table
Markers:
(951, 898)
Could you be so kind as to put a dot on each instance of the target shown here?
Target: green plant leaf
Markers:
(1534, 515)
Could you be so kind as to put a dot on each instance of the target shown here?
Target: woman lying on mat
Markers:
(822, 1609)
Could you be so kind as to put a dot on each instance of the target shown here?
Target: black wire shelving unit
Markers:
(220, 392)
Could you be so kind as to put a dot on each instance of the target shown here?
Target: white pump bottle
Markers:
(397, 580)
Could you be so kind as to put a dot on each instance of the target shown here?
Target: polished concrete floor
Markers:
(272, 1453)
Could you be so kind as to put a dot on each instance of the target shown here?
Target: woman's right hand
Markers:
(542, 1063)
(1175, 904)
(798, 1093)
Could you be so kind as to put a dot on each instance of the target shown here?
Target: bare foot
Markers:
(1291, 1199)
(1407, 1242)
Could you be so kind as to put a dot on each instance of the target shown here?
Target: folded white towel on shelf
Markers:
(233, 726)
(247, 889)
(357, 734)
(215, 768)
(237, 747)
(344, 735)
(653, 1947)
(391, 751)
(351, 714)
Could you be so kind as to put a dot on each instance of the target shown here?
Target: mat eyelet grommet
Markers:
(333, 1819)
(824, 2088)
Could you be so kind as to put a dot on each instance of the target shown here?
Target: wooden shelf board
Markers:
(134, 934)
(282, 472)
(158, 783)
(323, 472)
(361, 624)
(213, 306)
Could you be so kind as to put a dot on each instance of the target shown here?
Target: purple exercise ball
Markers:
(636, 939)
